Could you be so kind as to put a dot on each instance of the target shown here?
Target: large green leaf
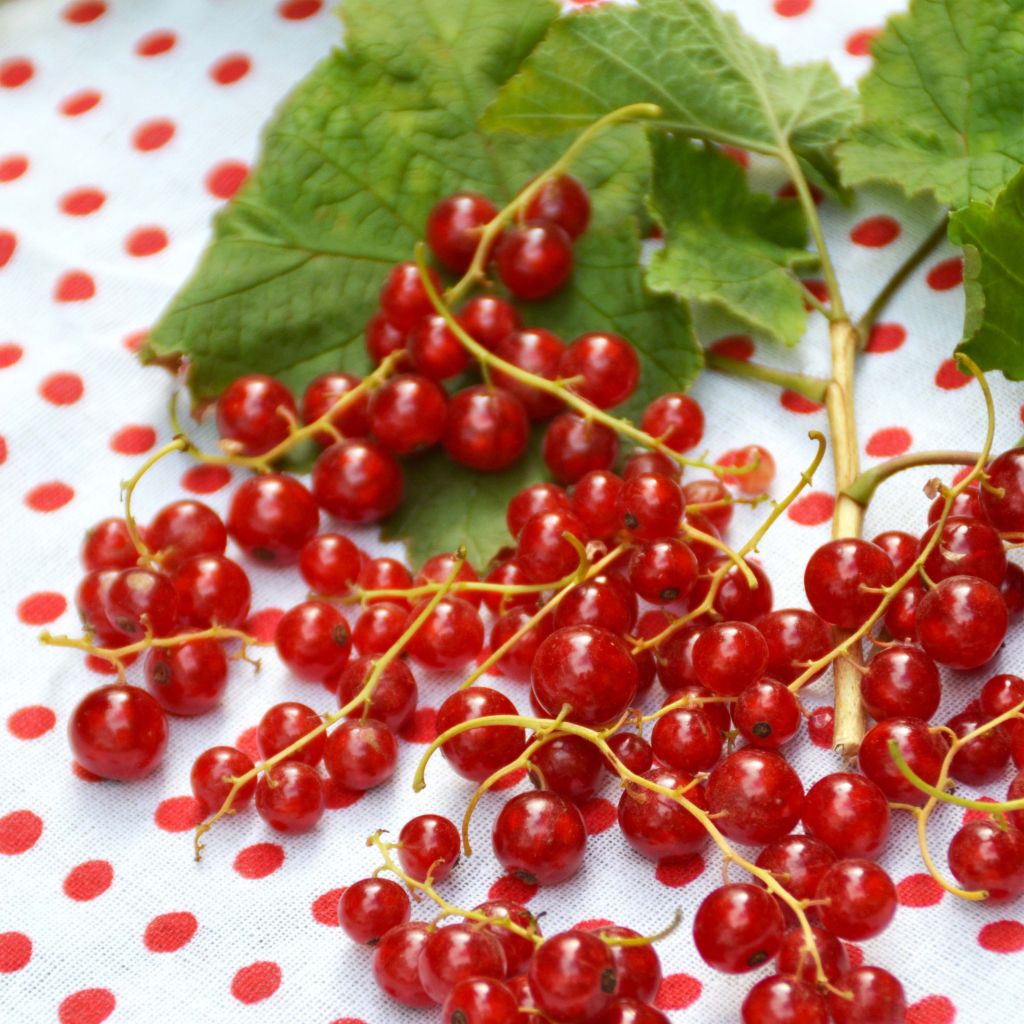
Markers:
(944, 102)
(352, 163)
(993, 241)
(725, 245)
(710, 80)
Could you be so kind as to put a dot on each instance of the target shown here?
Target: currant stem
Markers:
(489, 235)
(116, 655)
(862, 489)
(810, 387)
(179, 444)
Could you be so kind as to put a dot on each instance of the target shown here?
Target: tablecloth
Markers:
(123, 126)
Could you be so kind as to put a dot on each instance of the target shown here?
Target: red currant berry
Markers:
(313, 640)
(966, 503)
(758, 795)
(1003, 498)
(403, 298)
(564, 201)
(189, 678)
(675, 661)
(183, 530)
(901, 615)
(212, 772)
(108, 545)
(480, 1001)
(966, 547)
(569, 766)
(534, 500)
(859, 899)
(605, 601)
(795, 959)
(535, 260)
(794, 637)
(396, 964)
(1015, 791)
(632, 1011)
(573, 446)
(286, 723)
(487, 429)
(962, 622)
(632, 750)
(142, 600)
(508, 573)
(676, 420)
(371, 907)
(330, 564)
(983, 759)
(394, 695)
(212, 590)
(449, 638)
(385, 574)
(357, 481)
(255, 413)
(655, 825)
(651, 506)
(517, 949)
(323, 393)
(378, 628)
(842, 580)
(602, 368)
(639, 462)
(487, 319)
(1000, 694)
(407, 413)
(798, 863)
(543, 550)
(758, 478)
(735, 599)
(901, 548)
(383, 338)
(901, 682)
(711, 499)
(540, 837)
(118, 732)
(637, 968)
(983, 856)
(767, 714)
(454, 227)
(686, 740)
(477, 753)
(663, 571)
(290, 797)
(779, 1000)
(595, 502)
(867, 995)
(738, 928)
(91, 603)
(361, 754)
(457, 952)
(517, 662)
(435, 350)
(1012, 589)
(729, 656)
(271, 517)
(428, 847)
(922, 749)
(538, 352)
(572, 977)
(849, 813)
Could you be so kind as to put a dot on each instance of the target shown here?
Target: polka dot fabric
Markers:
(125, 126)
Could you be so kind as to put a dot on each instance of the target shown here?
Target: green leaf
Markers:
(469, 510)
(943, 102)
(725, 245)
(993, 240)
(351, 165)
(710, 79)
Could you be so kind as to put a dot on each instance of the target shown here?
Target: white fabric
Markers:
(98, 943)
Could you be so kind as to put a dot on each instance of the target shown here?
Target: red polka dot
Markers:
(74, 286)
(256, 982)
(296, 10)
(791, 8)
(152, 135)
(49, 497)
(875, 232)
(889, 441)
(19, 831)
(3, 450)
(819, 290)
(337, 798)
(1002, 937)
(167, 933)
(598, 815)
(735, 346)
(9, 354)
(83, 773)
(90, 1006)
(15, 951)
(886, 338)
(738, 156)
(675, 872)
(949, 376)
(246, 743)
(145, 241)
(855, 953)
(348, 1020)
(325, 907)
(89, 880)
(133, 440)
(947, 274)
(859, 44)
(103, 667)
(511, 887)
(14, 72)
(931, 1010)
(82, 202)
(821, 727)
(918, 891)
(155, 43)
(8, 243)
(788, 191)
(84, 12)
(39, 609)
(80, 102)
(259, 860)
(798, 403)
(178, 813)
(12, 167)
(62, 388)
(677, 992)
(263, 624)
(231, 68)
(812, 509)
(226, 178)
(422, 727)
(205, 479)
(32, 722)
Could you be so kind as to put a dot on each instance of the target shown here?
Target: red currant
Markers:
(212, 590)
(779, 1000)
(407, 413)
(449, 638)
(118, 732)
(572, 977)
(330, 564)
(189, 678)
(517, 950)
(842, 580)
(457, 952)
(435, 351)
(487, 319)
(212, 772)
(729, 656)
(357, 481)
(603, 368)
(651, 506)
(962, 622)
(540, 837)
(798, 863)
(271, 517)
(543, 550)
(676, 420)
(922, 749)
(795, 958)
(361, 754)
(595, 502)
(487, 428)
(454, 227)
(573, 446)
(867, 995)
(480, 1001)
(141, 600)
(313, 640)
(655, 825)
(428, 846)
(849, 813)
(564, 201)
(383, 338)
(901, 682)
(325, 391)
(569, 766)
(394, 696)
(396, 964)
(605, 601)
(517, 662)
(859, 899)
(663, 571)
(184, 529)
(966, 547)
(983, 759)
(371, 907)
(286, 723)
(738, 928)
(1003, 498)
(533, 500)
(535, 260)
(255, 413)
(477, 753)
(403, 298)
(758, 795)
(290, 797)
(711, 499)
(108, 545)
(767, 714)
(378, 627)
(984, 856)
(686, 740)
(901, 548)
(538, 352)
